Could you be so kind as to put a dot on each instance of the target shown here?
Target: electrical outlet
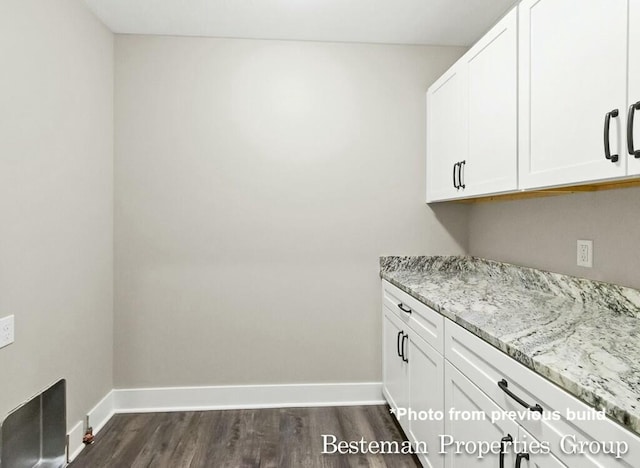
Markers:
(585, 253)
(6, 331)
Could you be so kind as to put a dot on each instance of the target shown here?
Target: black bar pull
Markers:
(461, 174)
(503, 384)
(519, 458)
(404, 356)
(503, 442)
(607, 144)
(401, 306)
(632, 110)
(398, 344)
(455, 184)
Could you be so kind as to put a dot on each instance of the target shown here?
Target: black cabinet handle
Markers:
(503, 384)
(632, 110)
(519, 458)
(401, 307)
(404, 356)
(455, 184)
(398, 344)
(503, 442)
(461, 174)
(607, 146)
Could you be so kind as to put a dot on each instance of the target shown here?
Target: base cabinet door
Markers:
(573, 72)
(394, 366)
(465, 404)
(530, 457)
(426, 397)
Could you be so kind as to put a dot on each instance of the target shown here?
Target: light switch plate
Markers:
(585, 253)
(6, 331)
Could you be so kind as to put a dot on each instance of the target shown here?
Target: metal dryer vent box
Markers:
(34, 434)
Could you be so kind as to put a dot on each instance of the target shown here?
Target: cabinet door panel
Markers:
(426, 392)
(394, 370)
(461, 394)
(634, 79)
(573, 70)
(445, 131)
(538, 460)
(492, 110)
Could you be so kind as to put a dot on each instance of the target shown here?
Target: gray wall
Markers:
(256, 183)
(56, 200)
(542, 233)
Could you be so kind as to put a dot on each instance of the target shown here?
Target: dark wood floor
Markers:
(289, 437)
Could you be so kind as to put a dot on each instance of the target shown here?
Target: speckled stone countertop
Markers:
(582, 335)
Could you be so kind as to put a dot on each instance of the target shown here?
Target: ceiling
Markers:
(435, 22)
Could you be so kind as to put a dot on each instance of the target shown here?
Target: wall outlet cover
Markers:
(585, 253)
(6, 331)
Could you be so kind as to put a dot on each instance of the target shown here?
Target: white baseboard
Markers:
(97, 418)
(102, 412)
(75, 445)
(166, 399)
(141, 400)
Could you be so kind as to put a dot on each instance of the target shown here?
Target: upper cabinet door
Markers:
(491, 68)
(573, 72)
(633, 136)
(445, 135)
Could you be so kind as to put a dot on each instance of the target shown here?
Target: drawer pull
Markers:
(404, 357)
(401, 306)
(503, 384)
(519, 458)
(503, 442)
(398, 344)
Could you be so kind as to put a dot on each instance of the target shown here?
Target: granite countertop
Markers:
(582, 335)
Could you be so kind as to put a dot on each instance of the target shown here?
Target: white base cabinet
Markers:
(426, 393)
(395, 369)
(464, 400)
(413, 370)
(433, 364)
(535, 460)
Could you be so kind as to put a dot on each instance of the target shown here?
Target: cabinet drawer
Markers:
(427, 323)
(485, 366)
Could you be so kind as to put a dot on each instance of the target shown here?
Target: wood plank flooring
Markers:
(287, 437)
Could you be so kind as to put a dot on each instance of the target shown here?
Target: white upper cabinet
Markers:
(549, 97)
(491, 88)
(445, 132)
(633, 131)
(472, 119)
(573, 73)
